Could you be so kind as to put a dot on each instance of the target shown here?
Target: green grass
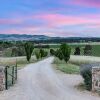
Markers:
(66, 68)
(95, 48)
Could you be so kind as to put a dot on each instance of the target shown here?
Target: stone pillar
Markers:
(2, 79)
(96, 79)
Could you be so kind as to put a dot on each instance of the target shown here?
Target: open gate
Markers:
(10, 76)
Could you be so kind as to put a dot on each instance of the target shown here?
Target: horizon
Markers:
(53, 36)
(66, 18)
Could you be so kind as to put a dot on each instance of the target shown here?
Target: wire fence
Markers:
(10, 76)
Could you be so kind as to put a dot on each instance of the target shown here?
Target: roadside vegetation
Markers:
(62, 56)
(66, 68)
(22, 54)
(26, 52)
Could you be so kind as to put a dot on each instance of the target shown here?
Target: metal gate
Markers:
(10, 76)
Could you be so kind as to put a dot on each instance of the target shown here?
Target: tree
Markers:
(43, 53)
(88, 50)
(77, 51)
(28, 49)
(63, 53)
(52, 52)
(59, 54)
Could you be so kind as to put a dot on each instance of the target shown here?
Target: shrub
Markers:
(52, 52)
(88, 50)
(43, 53)
(37, 54)
(86, 73)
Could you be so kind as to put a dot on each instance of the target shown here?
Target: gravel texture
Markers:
(40, 81)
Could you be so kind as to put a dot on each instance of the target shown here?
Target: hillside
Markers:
(47, 39)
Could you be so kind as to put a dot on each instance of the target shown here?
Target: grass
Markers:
(66, 68)
(21, 61)
(95, 48)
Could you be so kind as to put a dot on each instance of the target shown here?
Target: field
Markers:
(95, 48)
(21, 61)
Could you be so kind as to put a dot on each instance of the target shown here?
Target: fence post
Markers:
(12, 75)
(16, 69)
(6, 78)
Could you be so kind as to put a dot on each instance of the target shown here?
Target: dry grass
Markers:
(21, 61)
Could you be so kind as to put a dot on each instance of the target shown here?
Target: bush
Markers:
(52, 52)
(88, 50)
(37, 54)
(86, 73)
(43, 53)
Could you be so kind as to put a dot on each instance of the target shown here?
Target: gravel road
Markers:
(40, 81)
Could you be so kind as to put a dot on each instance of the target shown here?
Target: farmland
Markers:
(95, 47)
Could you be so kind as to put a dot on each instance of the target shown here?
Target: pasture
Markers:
(95, 48)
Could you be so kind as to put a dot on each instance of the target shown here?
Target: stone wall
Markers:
(2, 79)
(96, 79)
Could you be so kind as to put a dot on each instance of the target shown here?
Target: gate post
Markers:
(2, 78)
(6, 78)
(96, 79)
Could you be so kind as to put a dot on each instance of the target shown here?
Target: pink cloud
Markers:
(54, 20)
(51, 23)
(10, 21)
(87, 3)
(27, 30)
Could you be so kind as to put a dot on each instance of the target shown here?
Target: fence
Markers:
(10, 76)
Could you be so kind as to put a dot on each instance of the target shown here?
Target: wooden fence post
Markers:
(6, 78)
(12, 75)
(16, 69)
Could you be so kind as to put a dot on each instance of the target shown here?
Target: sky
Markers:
(63, 18)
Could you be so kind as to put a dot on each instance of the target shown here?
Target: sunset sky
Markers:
(64, 18)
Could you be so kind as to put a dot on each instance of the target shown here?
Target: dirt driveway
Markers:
(40, 81)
